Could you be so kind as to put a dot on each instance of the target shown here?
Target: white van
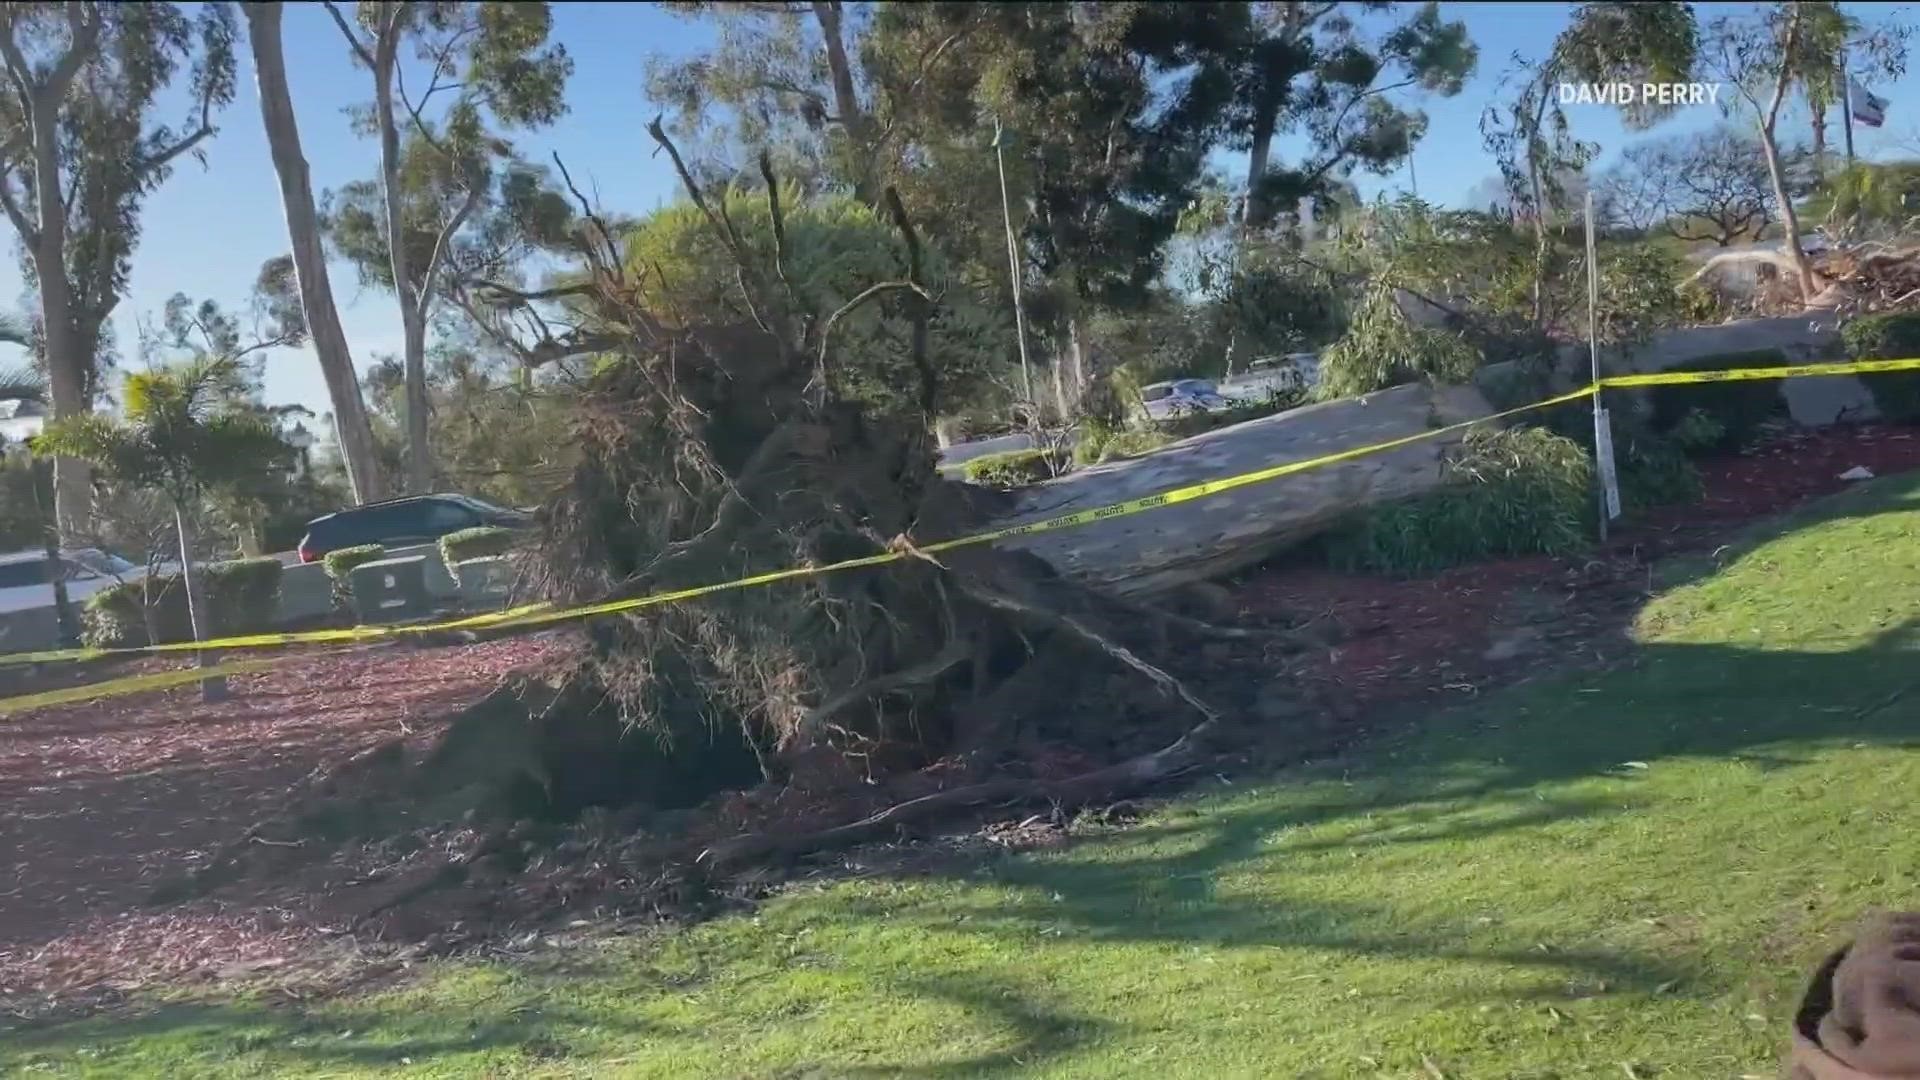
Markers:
(25, 585)
(1271, 375)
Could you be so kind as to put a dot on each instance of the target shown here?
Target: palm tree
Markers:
(22, 383)
(19, 384)
(188, 430)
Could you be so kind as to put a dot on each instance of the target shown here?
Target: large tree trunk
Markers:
(1819, 140)
(215, 688)
(1257, 159)
(419, 467)
(1167, 547)
(67, 356)
(351, 428)
(1789, 217)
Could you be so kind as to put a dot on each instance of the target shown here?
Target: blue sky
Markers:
(206, 232)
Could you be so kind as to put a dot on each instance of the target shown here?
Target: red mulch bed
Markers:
(100, 800)
(1432, 640)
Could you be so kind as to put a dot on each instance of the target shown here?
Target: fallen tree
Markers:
(1162, 549)
(713, 451)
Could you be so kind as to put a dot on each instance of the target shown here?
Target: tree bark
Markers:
(1077, 352)
(352, 430)
(846, 100)
(1537, 190)
(1789, 218)
(64, 617)
(44, 89)
(67, 355)
(413, 325)
(215, 688)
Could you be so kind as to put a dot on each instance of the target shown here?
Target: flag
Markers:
(1868, 108)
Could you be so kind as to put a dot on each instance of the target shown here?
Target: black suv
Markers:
(403, 522)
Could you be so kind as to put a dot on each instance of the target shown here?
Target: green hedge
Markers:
(1894, 336)
(243, 596)
(1715, 416)
(1014, 468)
(340, 563)
(456, 548)
(1523, 491)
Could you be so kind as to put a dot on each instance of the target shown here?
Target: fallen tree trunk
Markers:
(1167, 547)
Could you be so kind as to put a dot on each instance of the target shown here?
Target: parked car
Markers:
(1181, 397)
(25, 583)
(1272, 376)
(403, 522)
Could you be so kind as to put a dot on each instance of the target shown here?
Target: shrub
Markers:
(1521, 491)
(477, 543)
(1128, 444)
(243, 597)
(340, 566)
(1101, 442)
(244, 594)
(1383, 348)
(1014, 468)
(1653, 470)
(1893, 336)
(1738, 408)
(340, 563)
(1095, 434)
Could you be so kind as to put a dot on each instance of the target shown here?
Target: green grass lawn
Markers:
(1618, 875)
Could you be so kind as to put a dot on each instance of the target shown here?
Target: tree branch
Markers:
(518, 296)
(17, 71)
(85, 31)
(752, 287)
(353, 39)
(440, 242)
(15, 215)
(929, 381)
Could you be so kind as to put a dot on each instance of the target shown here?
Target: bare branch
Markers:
(519, 297)
(434, 86)
(353, 39)
(752, 288)
(866, 296)
(587, 211)
(929, 382)
(779, 227)
(186, 143)
(440, 242)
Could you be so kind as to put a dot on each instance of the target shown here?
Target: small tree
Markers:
(84, 83)
(1765, 56)
(1529, 135)
(187, 432)
(438, 173)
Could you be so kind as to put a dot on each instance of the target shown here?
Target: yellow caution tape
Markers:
(132, 684)
(1672, 378)
(541, 614)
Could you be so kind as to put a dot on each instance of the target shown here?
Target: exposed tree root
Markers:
(1126, 777)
